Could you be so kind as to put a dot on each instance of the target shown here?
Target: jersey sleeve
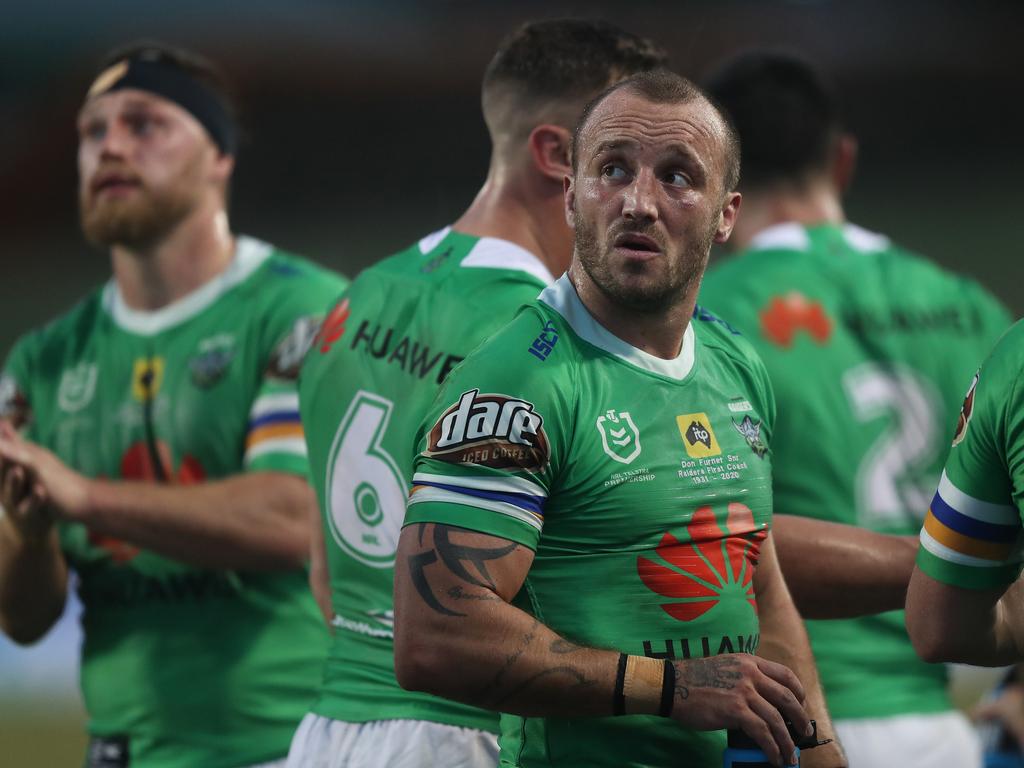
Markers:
(972, 535)
(15, 386)
(274, 437)
(491, 449)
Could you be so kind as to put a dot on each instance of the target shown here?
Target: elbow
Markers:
(419, 664)
(25, 633)
(931, 642)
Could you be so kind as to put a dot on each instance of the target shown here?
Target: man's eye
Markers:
(140, 126)
(677, 179)
(614, 172)
(94, 131)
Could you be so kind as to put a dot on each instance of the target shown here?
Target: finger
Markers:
(987, 710)
(782, 699)
(7, 429)
(14, 451)
(756, 728)
(773, 718)
(782, 674)
(13, 478)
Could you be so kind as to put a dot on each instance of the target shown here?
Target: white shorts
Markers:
(944, 740)
(321, 742)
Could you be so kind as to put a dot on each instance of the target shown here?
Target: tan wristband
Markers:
(642, 685)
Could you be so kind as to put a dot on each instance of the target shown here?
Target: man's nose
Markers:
(115, 140)
(640, 199)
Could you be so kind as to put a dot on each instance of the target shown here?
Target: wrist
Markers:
(643, 686)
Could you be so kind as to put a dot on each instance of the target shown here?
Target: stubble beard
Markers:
(650, 296)
(137, 222)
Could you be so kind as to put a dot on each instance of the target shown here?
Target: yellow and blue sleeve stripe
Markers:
(275, 430)
(969, 542)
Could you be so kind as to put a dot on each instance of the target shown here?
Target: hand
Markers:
(37, 485)
(738, 690)
(1007, 709)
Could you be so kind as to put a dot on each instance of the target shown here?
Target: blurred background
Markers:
(364, 133)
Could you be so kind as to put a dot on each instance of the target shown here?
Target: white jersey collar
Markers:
(249, 256)
(494, 253)
(562, 298)
(788, 236)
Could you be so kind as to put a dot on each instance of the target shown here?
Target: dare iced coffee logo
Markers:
(491, 430)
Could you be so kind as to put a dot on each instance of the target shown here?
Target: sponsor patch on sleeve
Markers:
(966, 411)
(490, 430)
(14, 406)
(287, 357)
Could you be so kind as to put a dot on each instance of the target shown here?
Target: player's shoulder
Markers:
(67, 331)
(1007, 356)
(275, 270)
(718, 336)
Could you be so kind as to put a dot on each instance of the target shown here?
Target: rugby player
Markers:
(160, 453)
(377, 365)
(587, 546)
(867, 347)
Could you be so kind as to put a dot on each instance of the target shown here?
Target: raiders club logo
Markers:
(966, 411)
(490, 430)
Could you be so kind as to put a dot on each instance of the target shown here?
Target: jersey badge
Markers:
(787, 315)
(620, 437)
(699, 572)
(14, 405)
(77, 387)
(147, 378)
(966, 411)
(212, 361)
(698, 436)
(288, 356)
(490, 430)
(751, 432)
(333, 327)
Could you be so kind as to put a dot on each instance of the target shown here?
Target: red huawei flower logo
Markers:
(785, 315)
(333, 327)
(715, 563)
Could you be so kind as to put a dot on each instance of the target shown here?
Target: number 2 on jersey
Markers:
(892, 489)
(365, 492)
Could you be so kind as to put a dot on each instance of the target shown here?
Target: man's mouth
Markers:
(635, 243)
(113, 183)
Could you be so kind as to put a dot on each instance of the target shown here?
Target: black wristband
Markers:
(618, 697)
(668, 689)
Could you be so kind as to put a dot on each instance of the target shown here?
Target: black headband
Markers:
(170, 81)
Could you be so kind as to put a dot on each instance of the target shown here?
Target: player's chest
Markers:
(124, 405)
(653, 455)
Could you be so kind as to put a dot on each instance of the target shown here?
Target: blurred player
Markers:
(161, 454)
(867, 347)
(580, 489)
(383, 353)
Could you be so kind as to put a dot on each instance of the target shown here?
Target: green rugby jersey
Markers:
(642, 484)
(366, 385)
(867, 347)
(196, 667)
(974, 531)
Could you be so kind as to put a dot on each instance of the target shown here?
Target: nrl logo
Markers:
(751, 431)
(490, 430)
(619, 436)
(77, 386)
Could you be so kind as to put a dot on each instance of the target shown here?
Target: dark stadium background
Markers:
(364, 133)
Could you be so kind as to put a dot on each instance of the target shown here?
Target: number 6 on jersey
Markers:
(366, 494)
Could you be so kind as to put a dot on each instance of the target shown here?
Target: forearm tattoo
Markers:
(457, 558)
(716, 672)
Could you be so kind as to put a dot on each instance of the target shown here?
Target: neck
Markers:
(815, 203)
(193, 253)
(522, 208)
(658, 333)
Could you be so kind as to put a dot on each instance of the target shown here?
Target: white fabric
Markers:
(324, 743)
(562, 298)
(272, 764)
(944, 740)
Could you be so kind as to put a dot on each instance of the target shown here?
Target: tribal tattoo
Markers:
(457, 558)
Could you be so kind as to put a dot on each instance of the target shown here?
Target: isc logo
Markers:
(493, 430)
(545, 342)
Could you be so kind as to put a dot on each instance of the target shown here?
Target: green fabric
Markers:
(868, 348)
(385, 349)
(647, 503)
(984, 477)
(196, 667)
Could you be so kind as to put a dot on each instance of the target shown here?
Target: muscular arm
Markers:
(457, 636)
(33, 572)
(784, 640)
(257, 521)
(837, 571)
(972, 626)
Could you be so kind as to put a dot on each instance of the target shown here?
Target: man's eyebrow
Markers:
(688, 156)
(614, 144)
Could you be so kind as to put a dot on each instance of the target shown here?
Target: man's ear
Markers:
(223, 167)
(844, 162)
(727, 218)
(569, 195)
(549, 148)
